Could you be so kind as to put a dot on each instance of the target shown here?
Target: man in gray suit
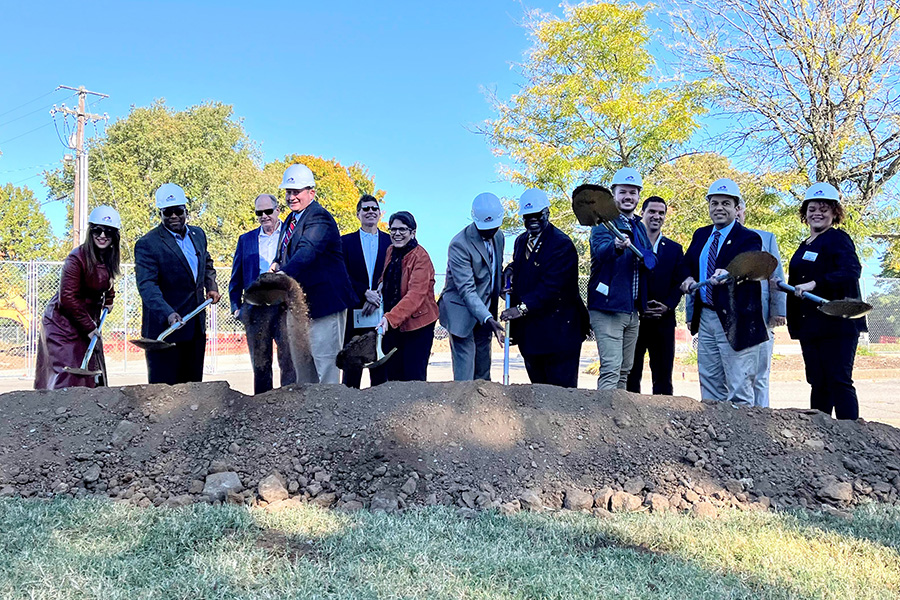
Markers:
(774, 305)
(468, 303)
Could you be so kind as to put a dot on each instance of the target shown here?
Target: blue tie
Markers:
(711, 265)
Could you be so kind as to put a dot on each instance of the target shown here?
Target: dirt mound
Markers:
(473, 445)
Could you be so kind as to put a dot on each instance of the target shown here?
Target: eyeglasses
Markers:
(98, 230)
(173, 210)
(370, 209)
(399, 230)
(267, 211)
(289, 193)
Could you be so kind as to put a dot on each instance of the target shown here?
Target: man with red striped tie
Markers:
(309, 250)
(727, 316)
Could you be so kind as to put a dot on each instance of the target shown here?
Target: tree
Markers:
(205, 150)
(591, 102)
(808, 85)
(25, 232)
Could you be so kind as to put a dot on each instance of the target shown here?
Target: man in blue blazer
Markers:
(309, 250)
(728, 317)
(364, 252)
(656, 336)
(617, 289)
(264, 324)
(173, 270)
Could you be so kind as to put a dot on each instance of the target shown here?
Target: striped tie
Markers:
(711, 265)
(287, 237)
(529, 246)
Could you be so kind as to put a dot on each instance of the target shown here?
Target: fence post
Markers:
(125, 320)
(31, 338)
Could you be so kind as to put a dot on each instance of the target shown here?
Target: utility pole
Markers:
(80, 203)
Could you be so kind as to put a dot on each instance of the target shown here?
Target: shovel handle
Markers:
(613, 230)
(93, 344)
(506, 344)
(696, 286)
(789, 288)
(184, 319)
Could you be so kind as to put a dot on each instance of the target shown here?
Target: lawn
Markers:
(99, 549)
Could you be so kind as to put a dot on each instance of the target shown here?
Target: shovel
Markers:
(746, 266)
(158, 343)
(594, 205)
(83, 369)
(380, 356)
(506, 337)
(848, 308)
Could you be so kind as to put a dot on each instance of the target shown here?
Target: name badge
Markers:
(810, 256)
(603, 289)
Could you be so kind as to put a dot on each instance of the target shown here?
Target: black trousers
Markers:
(352, 377)
(829, 371)
(265, 325)
(656, 337)
(181, 363)
(554, 369)
(410, 361)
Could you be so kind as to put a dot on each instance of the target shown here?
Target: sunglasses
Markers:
(99, 230)
(267, 211)
(370, 209)
(173, 210)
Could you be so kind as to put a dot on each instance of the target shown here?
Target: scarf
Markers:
(393, 274)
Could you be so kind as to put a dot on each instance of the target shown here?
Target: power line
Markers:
(24, 134)
(12, 110)
(28, 114)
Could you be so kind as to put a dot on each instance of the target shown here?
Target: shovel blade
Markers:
(848, 308)
(593, 204)
(382, 360)
(150, 344)
(754, 265)
(81, 372)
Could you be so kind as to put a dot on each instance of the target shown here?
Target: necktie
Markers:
(711, 265)
(287, 237)
(489, 246)
(529, 246)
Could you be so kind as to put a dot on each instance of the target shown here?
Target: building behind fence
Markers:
(27, 287)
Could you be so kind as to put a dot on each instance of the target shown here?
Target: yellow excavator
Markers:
(16, 309)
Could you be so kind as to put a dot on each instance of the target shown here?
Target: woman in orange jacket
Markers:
(407, 287)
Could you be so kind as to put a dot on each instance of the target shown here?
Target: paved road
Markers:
(878, 397)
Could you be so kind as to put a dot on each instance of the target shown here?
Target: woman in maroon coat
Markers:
(72, 317)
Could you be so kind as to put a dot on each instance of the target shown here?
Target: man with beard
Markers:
(173, 268)
(656, 335)
(547, 317)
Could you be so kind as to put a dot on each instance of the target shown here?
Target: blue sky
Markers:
(396, 86)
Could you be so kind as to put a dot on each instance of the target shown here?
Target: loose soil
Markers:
(470, 444)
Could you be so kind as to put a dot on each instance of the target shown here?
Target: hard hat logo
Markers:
(171, 197)
(820, 193)
(629, 178)
(723, 188)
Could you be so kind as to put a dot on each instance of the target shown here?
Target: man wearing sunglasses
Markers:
(264, 324)
(309, 250)
(364, 252)
(174, 274)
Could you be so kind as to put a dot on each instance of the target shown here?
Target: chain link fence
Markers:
(27, 287)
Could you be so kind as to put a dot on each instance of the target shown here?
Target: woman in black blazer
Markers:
(826, 264)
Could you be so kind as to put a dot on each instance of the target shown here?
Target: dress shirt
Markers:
(704, 254)
(187, 248)
(369, 243)
(268, 248)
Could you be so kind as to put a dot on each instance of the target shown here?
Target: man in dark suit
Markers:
(656, 335)
(727, 316)
(264, 324)
(468, 303)
(548, 319)
(364, 252)
(309, 251)
(173, 268)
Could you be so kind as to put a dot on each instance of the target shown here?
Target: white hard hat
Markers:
(724, 187)
(170, 194)
(297, 177)
(627, 176)
(487, 211)
(822, 191)
(533, 201)
(105, 215)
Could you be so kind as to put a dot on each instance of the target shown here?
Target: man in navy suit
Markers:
(264, 324)
(309, 250)
(727, 316)
(547, 317)
(656, 335)
(364, 252)
(173, 268)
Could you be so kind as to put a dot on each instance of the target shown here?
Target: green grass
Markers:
(92, 549)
